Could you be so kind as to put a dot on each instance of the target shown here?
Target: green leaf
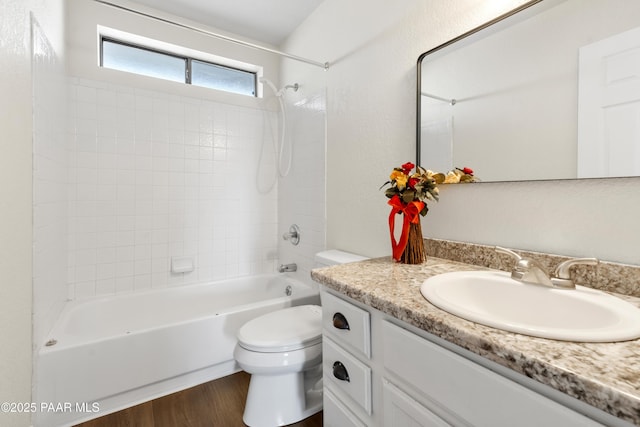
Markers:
(390, 192)
(408, 196)
(386, 183)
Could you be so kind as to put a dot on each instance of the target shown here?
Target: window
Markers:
(123, 56)
(216, 76)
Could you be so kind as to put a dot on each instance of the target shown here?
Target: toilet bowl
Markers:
(282, 351)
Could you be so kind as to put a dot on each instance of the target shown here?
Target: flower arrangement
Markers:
(420, 186)
(455, 176)
(409, 193)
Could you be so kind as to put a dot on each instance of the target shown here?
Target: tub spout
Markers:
(287, 268)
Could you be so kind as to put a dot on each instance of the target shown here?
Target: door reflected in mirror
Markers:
(551, 91)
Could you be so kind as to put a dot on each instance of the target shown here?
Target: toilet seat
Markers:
(289, 329)
(263, 363)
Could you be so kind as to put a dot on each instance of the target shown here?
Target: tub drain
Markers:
(288, 291)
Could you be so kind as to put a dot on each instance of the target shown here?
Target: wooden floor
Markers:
(218, 403)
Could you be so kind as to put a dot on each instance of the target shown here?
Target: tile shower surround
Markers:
(50, 210)
(154, 176)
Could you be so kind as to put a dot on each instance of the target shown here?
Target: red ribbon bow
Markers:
(411, 212)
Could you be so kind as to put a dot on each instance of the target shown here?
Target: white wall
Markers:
(371, 129)
(16, 129)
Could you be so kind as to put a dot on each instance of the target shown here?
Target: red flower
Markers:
(407, 167)
(468, 171)
(412, 182)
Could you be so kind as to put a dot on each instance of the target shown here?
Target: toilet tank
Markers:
(334, 256)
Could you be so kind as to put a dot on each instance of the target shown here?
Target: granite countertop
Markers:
(603, 375)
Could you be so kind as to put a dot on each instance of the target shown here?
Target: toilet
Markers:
(282, 350)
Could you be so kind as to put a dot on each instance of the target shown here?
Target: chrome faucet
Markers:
(287, 268)
(527, 270)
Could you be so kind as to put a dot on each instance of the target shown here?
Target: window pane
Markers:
(223, 78)
(141, 61)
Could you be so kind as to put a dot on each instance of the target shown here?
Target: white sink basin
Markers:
(495, 299)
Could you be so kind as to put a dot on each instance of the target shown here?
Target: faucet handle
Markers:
(562, 270)
(507, 252)
(293, 235)
(521, 264)
(561, 277)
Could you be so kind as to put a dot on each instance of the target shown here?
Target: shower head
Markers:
(280, 92)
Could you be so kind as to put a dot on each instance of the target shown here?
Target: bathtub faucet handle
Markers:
(287, 268)
(293, 235)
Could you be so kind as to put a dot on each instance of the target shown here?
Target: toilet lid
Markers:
(283, 330)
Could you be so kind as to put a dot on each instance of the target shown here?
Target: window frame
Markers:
(187, 60)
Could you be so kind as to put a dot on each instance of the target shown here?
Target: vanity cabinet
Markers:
(461, 391)
(398, 376)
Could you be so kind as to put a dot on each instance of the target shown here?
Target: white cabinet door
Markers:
(470, 393)
(400, 410)
(335, 414)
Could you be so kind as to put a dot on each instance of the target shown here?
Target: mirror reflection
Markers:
(549, 92)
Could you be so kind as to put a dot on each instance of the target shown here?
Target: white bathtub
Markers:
(114, 352)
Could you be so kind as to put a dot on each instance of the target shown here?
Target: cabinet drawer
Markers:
(469, 392)
(335, 414)
(348, 324)
(343, 371)
(400, 410)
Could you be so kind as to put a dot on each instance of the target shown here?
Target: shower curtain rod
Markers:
(439, 98)
(324, 65)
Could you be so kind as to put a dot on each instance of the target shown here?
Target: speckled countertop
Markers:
(604, 375)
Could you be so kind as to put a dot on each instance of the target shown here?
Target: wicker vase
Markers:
(414, 251)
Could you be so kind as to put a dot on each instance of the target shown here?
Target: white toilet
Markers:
(282, 351)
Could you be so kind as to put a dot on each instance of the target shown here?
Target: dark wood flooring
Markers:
(218, 403)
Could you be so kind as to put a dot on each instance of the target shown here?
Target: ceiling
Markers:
(268, 21)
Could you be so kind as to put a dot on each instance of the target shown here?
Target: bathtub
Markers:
(114, 352)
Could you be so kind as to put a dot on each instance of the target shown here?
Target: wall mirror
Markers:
(550, 90)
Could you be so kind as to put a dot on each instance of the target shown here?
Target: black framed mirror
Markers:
(549, 90)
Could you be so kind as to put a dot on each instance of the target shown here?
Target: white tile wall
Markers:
(49, 184)
(154, 176)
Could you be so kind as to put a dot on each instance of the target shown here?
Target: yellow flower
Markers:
(400, 178)
(452, 178)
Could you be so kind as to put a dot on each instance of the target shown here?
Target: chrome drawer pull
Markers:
(340, 372)
(340, 322)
